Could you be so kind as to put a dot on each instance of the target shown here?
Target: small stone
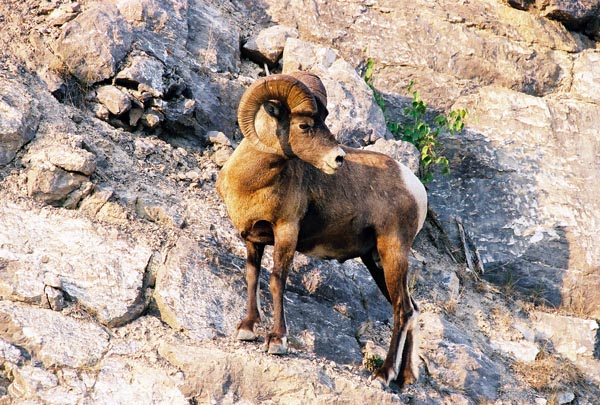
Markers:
(218, 138)
(152, 118)
(155, 211)
(51, 279)
(112, 213)
(188, 106)
(63, 14)
(55, 298)
(28, 380)
(565, 397)
(46, 7)
(221, 156)
(114, 99)
(134, 116)
(100, 111)
(52, 184)
(92, 204)
(72, 159)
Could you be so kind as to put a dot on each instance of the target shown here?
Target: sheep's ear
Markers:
(273, 108)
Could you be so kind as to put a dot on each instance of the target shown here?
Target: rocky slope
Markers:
(121, 278)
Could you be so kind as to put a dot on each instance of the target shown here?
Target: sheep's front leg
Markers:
(286, 237)
(254, 254)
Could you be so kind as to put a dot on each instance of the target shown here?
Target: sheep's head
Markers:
(284, 115)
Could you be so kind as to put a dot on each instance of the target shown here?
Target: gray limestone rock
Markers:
(56, 340)
(455, 361)
(104, 271)
(517, 179)
(123, 381)
(267, 46)
(93, 44)
(194, 296)
(143, 70)
(586, 76)
(403, 152)
(19, 118)
(115, 100)
(219, 375)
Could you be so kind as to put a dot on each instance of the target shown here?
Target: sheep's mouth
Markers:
(328, 168)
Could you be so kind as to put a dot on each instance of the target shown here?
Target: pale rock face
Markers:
(19, 119)
(104, 271)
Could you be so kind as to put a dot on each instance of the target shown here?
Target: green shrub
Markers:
(416, 130)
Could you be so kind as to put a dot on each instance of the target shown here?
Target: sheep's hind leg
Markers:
(245, 330)
(400, 363)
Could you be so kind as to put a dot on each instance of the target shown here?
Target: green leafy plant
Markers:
(372, 362)
(369, 80)
(416, 130)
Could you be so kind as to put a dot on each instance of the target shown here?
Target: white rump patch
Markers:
(417, 189)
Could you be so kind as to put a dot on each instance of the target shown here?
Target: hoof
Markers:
(246, 335)
(384, 376)
(409, 377)
(277, 345)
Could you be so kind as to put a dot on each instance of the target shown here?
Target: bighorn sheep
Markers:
(290, 184)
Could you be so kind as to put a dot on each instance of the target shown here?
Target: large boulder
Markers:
(44, 333)
(521, 182)
(93, 44)
(441, 49)
(194, 297)
(19, 118)
(267, 46)
(103, 270)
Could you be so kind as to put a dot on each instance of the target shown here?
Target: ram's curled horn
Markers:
(284, 88)
(314, 84)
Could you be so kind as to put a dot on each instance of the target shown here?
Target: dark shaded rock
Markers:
(579, 15)
(143, 70)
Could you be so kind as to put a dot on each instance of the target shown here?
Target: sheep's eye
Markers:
(304, 126)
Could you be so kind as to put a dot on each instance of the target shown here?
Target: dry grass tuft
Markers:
(551, 374)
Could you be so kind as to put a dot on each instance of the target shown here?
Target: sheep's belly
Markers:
(331, 253)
